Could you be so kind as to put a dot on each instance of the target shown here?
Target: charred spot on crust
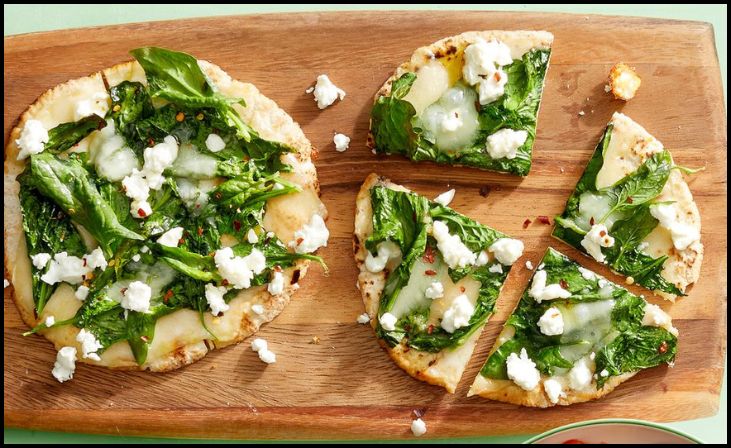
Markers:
(356, 244)
(432, 362)
(451, 50)
(438, 54)
(295, 277)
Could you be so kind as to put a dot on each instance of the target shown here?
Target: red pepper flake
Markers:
(277, 268)
(168, 295)
(602, 233)
(497, 76)
(663, 348)
(237, 225)
(141, 213)
(573, 442)
(181, 241)
(630, 200)
(224, 282)
(543, 219)
(564, 284)
(430, 329)
(591, 221)
(526, 223)
(145, 338)
(299, 241)
(84, 261)
(461, 289)
(150, 141)
(430, 272)
(123, 291)
(200, 231)
(428, 255)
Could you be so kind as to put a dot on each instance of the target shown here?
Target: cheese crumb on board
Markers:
(623, 82)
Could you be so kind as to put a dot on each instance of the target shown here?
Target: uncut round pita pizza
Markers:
(155, 211)
(469, 100)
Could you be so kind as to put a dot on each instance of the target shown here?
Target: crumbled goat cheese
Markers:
(551, 322)
(50, 320)
(40, 260)
(507, 250)
(341, 141)
(595, 239)
(418, 427)
(276, 286)
(251, 237)
(522, 370)
(505, 143)
(6, 283)
(453, 250)
(136, 258)
(482, 259)
(239, 271)
(364, 318)
(260, 346)
(581, 374)
(65, 268)
(434, 291)
(33, 139)
(682, 234)
(65, 365)
(458, 314)
(214, 297)
(587, 274)
(386, 251)
(96, 105)
(529, 265)
(483, 63)
(540, 291)
(388, 321)
(445, 198)
(89, 344)
(554, 389)
(137, 297)
(311, 236)
(497, 268)
(172, 237)
(96, 259)
(215, 143)
(82, 293)
(326, 92)
(655, 317)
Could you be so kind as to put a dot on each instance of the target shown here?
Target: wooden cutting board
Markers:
(346, 387)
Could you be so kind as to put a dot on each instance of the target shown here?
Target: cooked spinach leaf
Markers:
(66, 135)
(635, 350)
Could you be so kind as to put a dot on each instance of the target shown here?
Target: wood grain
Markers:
(346, 387)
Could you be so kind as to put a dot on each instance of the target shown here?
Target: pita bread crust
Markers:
(509, 392)
(682, 268)
(519, 42)
(441, 369)
(180, 339)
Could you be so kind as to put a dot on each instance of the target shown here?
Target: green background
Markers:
(29, 18)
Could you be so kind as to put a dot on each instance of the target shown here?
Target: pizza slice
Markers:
(429, 278)
(633, 211)
(573, 337)
(470, 99)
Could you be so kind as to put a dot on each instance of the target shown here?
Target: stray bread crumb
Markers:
(315, 340)
(623, 81)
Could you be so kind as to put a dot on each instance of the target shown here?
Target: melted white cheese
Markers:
(452, 121)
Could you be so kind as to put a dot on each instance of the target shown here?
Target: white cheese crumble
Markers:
(82, 292)
(554, 389)
(215, 143)
(482, 259)
(138, 184)
(95, 259)
(239, 271)
(388, 321)
(40, 260)
(458, 314)
(276, 286)
(507, 250)
(522, 370)
(386, 251)
(251, 237)
(483, 63)
(33, 139)
(529, 265)
(214, 297)
(311, 236)
(587, 274)
(257, 308)
(363, 318)
(96, 105)
(6, 283)
(144, 249)
(504, 143)
(137, 297)
(89, 344)
(65, 365)
(260, 346)
(136, 258)
(682, 234)
(434, 291)
(418, 427)
(172, 237)
(65, 268)
(341, 142)
(445, 198)
(595, 239)
(551, 322)
(540, 291)
(604, 373)
(50, 320)
(655, 317)
(326, 92)
(453, 250)
(497, 268)
(581, 374)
